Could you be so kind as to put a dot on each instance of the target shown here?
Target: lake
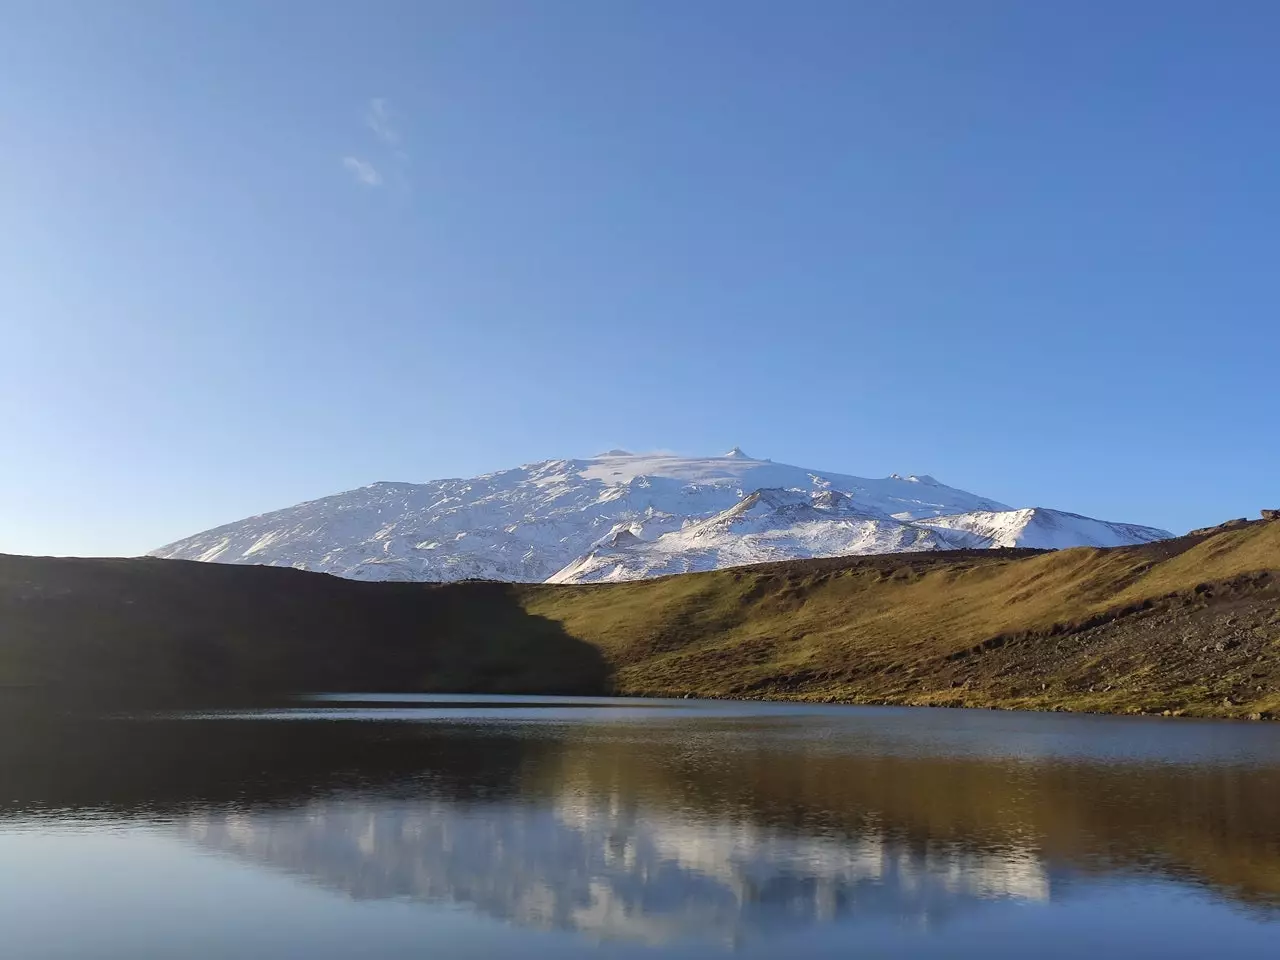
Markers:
(416, 826)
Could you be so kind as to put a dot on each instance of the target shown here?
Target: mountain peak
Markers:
(561, 519)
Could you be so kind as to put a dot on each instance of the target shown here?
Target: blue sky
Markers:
(258, 253)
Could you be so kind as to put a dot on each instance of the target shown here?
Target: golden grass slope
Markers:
(980, 629)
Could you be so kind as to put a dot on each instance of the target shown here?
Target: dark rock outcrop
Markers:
(1229, 525)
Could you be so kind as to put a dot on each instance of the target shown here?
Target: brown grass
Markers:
(891, 628)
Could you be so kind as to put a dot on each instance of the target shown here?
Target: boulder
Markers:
(1271, 514)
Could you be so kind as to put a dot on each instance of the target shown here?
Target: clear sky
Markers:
(256, 253)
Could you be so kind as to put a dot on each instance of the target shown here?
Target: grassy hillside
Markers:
(1185, 626)
(1190, 625)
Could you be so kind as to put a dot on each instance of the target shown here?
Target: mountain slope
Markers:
(767, 525)
(565, 519)
(1042, 529)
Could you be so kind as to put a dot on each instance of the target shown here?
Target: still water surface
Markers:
(545, 827)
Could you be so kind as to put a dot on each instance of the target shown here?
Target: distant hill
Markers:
(1190, 624)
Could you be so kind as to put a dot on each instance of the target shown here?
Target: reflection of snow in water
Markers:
(616, 870)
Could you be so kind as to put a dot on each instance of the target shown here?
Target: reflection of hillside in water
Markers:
(602, 866)
(647, 827)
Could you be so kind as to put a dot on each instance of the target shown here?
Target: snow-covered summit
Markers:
(770, 524)
(661, 512)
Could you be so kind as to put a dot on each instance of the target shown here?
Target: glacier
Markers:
(624, 516)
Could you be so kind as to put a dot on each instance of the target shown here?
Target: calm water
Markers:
(553, 828)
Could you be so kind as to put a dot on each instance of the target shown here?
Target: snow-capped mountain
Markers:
(789, 525)
(620, 516)
(771, 524)
(1043, 529)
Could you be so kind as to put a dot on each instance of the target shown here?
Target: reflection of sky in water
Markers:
(602, 866)
(551, 828)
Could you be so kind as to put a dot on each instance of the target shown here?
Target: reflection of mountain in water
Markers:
(729, 824)
(604, 867)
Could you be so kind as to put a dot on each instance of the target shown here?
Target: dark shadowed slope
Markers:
(171, 630)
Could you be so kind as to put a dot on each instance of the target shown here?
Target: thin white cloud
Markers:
(390, 164)
(380, 118)
(364, 171)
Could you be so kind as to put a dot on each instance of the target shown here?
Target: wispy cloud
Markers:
(363, 171)
(381, 119)
(390, 164)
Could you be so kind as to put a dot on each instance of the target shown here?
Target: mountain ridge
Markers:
(557, 521)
